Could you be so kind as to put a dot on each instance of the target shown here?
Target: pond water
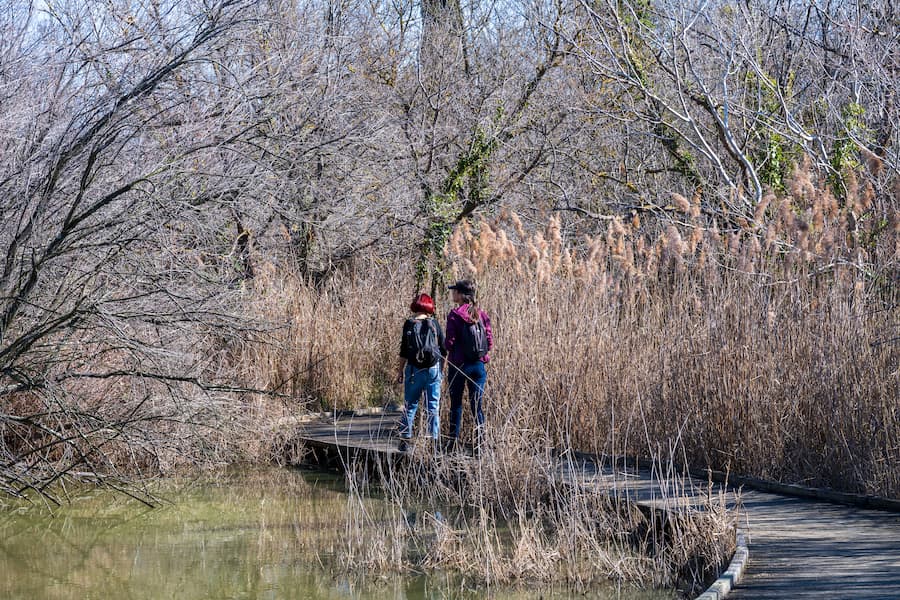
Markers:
(273, 533)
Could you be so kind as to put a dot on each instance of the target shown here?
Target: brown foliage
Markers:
(768, 354)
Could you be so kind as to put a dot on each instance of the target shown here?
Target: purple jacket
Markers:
(457, 318)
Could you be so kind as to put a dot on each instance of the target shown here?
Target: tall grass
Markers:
(520, 515)
(328, 347)
(769, 348)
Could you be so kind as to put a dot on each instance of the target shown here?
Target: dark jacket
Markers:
(409, 329)
(456, 320)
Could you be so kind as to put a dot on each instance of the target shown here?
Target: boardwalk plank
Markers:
(798, 548)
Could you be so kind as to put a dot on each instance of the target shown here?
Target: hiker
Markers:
(469, 339)
(423, 353)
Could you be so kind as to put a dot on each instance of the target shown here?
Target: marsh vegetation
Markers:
(257, 533)
(683, 218)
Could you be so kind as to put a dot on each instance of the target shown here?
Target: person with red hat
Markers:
(422, 350)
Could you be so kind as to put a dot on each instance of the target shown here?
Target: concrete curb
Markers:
(727, 581)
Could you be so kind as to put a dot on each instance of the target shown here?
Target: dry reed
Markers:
(520, 515)
(768, 349)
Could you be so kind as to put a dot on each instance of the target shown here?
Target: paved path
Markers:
(805, 549)
(798, 548)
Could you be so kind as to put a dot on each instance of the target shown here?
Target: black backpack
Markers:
(474, 341)
(422, 343)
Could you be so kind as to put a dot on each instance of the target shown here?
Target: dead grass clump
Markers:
(765, 353)
(768, 349)
(518, 515)
(323, 345)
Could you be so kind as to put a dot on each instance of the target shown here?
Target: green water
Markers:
(261, 534)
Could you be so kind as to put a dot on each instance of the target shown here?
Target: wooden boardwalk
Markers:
(798, 548)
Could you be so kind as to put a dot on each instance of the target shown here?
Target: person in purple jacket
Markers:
(469, 339)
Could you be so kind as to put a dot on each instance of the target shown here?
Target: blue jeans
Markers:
(415, 383)
(472, 376)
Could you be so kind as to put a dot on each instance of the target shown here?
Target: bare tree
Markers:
(464, 107)
(104, 160)
(159, 157)
(736, 94)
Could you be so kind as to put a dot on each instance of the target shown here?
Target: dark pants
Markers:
(473, 376)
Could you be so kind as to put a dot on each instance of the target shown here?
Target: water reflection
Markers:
(253, 534)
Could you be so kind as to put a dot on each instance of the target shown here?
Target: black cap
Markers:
(464, 287)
